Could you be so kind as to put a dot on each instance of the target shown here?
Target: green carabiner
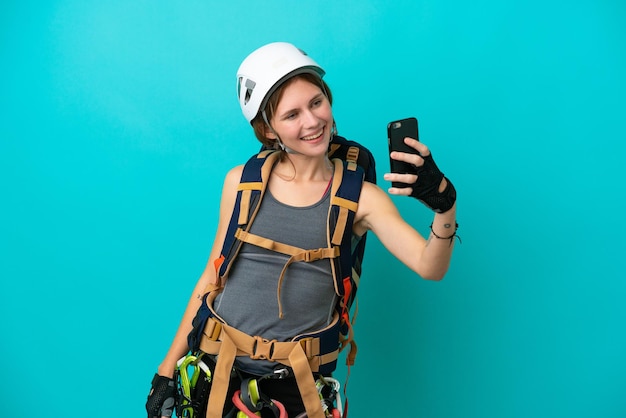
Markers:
(186, 384)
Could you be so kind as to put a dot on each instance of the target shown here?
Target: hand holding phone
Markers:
(396, 132)
(429, 178)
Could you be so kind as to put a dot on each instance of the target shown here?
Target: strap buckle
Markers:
(213, 329)
(263, 349)
(313, 255)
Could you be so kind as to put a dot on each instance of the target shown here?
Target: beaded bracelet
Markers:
(451, 237)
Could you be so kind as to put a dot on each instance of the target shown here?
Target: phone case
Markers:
(396, 132)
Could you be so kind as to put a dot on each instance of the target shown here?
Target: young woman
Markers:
(283, 96)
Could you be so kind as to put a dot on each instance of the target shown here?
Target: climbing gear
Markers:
(261, 72)
(250, 400)
(306, 354)
(328, 389)
(162, 397)
(426, 188)
(244, 411)
(194, 383)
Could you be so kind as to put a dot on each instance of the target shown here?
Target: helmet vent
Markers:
(249, 88)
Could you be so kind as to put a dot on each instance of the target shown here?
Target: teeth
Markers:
(308, 138)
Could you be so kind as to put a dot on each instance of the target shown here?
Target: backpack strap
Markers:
(345, 190)
(254, 179)
(344, 205)
(346, 186)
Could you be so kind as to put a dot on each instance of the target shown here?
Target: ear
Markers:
(269, 133)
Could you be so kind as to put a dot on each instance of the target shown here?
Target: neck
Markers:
(297, 167)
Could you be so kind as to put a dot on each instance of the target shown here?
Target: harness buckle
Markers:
(313, 255)
(212, 330)
(263, 349)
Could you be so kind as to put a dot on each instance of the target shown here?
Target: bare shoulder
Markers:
(374, 204)
(231, 180)
(229, 189)
(234, 175)
(372, 196)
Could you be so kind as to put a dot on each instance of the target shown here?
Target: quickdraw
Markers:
(193, 388)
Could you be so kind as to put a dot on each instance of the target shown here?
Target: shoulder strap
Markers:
(347, 268)
(250, 191)
(345, 149)
(344, 204)
(345, 192)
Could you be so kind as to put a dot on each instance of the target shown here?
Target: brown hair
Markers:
(258, 124)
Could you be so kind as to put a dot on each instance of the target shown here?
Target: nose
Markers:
(310, 119)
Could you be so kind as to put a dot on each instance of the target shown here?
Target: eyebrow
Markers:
(314, 98)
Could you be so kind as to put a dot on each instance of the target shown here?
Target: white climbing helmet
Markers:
(261, 72)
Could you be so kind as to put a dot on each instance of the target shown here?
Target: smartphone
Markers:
(397, 130)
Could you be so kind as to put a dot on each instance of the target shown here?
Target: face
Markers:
(303, 119)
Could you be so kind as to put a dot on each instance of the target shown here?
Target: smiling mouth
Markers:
(314, 136)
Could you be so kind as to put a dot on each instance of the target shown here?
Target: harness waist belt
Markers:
(227, 342)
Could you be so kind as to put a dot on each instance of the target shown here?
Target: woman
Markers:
(283, 96)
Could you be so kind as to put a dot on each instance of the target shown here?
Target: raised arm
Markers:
(428, 257)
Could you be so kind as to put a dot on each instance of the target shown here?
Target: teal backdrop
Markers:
(119, 120)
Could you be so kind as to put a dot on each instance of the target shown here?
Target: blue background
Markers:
(118, 121)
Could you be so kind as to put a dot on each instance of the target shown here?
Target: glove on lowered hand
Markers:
(162, 397)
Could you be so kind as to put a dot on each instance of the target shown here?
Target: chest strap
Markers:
(297, 254)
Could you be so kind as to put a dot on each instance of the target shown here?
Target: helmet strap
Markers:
(278, 141)
(333, 131)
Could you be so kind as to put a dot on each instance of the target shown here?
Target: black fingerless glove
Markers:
(426, 188)
(162, 397)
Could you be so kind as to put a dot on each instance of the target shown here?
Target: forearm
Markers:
(179, 346)
(437, 252)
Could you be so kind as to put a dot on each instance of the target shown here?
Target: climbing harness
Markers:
(305, 355)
